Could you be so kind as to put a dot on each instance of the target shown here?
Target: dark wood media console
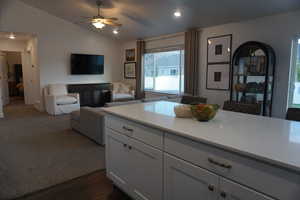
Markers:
(93, 95)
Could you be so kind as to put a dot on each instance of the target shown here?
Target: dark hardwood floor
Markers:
(94, 186)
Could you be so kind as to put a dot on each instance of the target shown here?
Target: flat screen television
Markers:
(87, 64)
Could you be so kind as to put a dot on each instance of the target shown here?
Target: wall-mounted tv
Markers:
(87, 64)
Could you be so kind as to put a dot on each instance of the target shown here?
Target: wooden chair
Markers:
(192, 100)
(293, 114)
(254, 109)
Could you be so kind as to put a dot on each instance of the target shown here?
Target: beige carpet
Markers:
(38, 151)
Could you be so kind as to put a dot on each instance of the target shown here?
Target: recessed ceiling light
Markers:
(177, 13)
(12, 36)
(115, 32)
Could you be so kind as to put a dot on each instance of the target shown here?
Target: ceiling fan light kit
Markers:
(100, 22)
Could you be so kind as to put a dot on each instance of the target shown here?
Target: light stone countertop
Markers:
(271, 140)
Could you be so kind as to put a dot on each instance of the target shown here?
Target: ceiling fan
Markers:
(100, 22)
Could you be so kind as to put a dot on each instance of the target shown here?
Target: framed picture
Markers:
(129, 70)
(218, 76)
(130, 55)
(219, 49)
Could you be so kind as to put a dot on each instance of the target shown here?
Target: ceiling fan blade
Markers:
(112, 23)
(112, 18)
(109, 21)
(84, 21)
(85, 17)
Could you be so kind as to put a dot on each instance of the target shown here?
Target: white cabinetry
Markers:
(117, 160)
(147, 171)
(186, 181)
(233, 191)
(149, 164)
(134, 166)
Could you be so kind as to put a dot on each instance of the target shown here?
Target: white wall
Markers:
(277, 31)
(12, 45)
(57, 39)
(127, 45)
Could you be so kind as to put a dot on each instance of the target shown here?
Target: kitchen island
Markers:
(151, 154)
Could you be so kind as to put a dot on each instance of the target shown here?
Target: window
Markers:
(294, 95)
(164, 72)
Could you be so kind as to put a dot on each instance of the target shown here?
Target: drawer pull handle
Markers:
(223, 195)
(125, 145)
(227, 166)
(211, 188)
(127, 129)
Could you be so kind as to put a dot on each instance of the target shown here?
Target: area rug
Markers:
(38, 151)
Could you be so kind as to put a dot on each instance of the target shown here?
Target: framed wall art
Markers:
(218, 77)
(218, 62)
(130, 55)
(129, 70)
(219, 49)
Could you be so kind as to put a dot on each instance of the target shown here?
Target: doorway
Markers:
(19, 71)
(12, 83)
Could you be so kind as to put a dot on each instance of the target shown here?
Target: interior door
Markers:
(233, 191)
(187, 181)
(147, 174)
(1, 86)
(28, 78)
(118, 159)
(4, 80)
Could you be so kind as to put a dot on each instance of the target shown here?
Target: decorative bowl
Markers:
(204, 112)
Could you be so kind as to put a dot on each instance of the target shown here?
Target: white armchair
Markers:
(58, 101)
(122, 92)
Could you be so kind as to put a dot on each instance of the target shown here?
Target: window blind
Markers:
(165, 43)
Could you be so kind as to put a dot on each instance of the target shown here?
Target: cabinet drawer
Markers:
(140, 132)
(268, 179)
(183, 180)
(233, 191)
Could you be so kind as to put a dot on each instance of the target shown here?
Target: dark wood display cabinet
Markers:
(252, 76)
(93, 95)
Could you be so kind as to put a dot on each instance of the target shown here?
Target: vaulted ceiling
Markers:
(145, 18)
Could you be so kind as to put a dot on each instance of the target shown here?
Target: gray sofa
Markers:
(90, 121)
